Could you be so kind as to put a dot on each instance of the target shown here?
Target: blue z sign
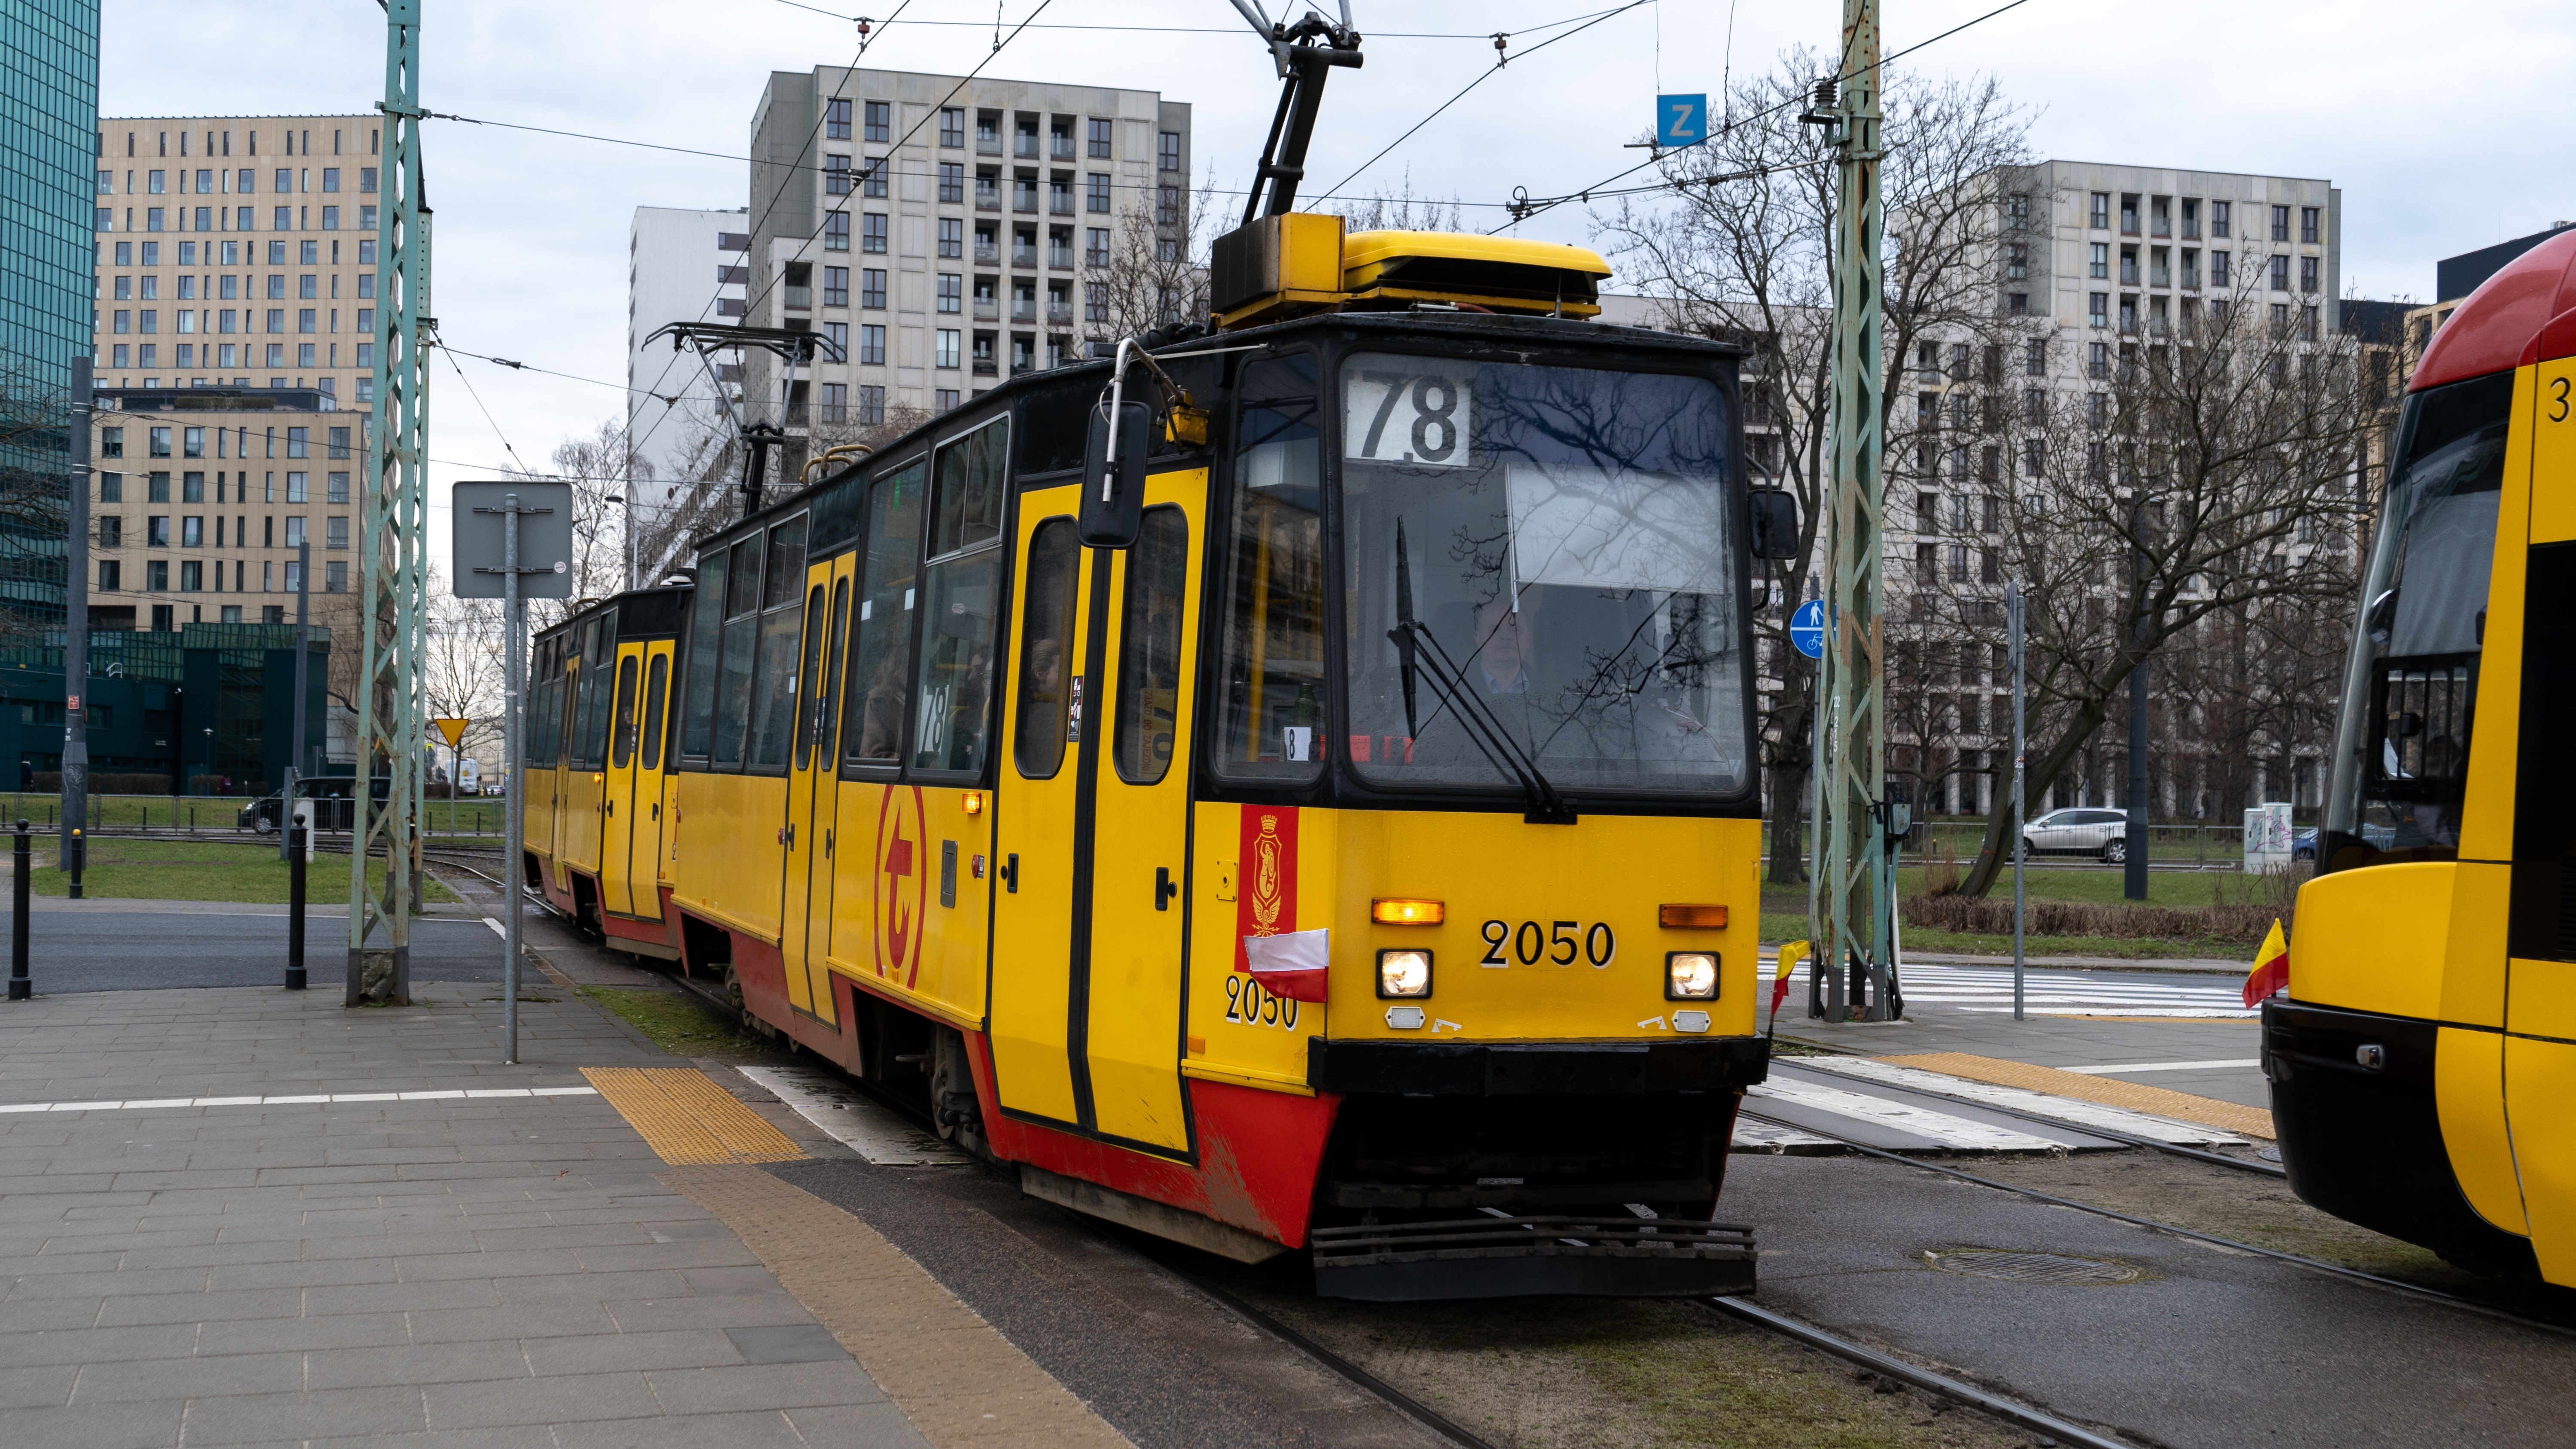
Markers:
(1681, 120)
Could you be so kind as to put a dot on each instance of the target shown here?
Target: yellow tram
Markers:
(2424, 1058)
(1346, 830)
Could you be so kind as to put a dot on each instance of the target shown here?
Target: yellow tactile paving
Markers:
(960, 1382)
(2137, 1097)
(688, 1119)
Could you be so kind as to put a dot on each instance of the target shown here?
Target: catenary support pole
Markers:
(76, 621)
(21, 985)
(513, 856)
(303, 606)
(1851, 931)
(2135, 852)
(2020, 788)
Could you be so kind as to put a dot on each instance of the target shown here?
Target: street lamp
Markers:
(630, 536)
(210, 759)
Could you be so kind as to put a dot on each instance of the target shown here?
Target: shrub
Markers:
(1990, 916)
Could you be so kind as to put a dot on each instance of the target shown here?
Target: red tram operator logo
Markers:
(900, 886)
(1266, 905)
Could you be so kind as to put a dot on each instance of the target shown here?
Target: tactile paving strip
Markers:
(688, 1119)
(2136, 1096)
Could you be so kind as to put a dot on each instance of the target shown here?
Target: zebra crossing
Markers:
(1821, 1104)
(1989, 989)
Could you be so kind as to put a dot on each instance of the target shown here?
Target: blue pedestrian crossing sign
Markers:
(1681, 120)
(1807, 628)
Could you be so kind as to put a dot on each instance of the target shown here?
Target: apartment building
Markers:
(47, 135)
(937, 232)
(673, 255)
(235, 337)
(204, 495)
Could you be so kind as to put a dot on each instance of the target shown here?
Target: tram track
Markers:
(2398, 1285)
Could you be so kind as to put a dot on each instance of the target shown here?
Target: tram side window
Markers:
(880, 648)
(596, 678)
(586, 703)
(1271, 664)
(810, 674)
(655, 681)
(1149, 648)
(624, 739)
(541, 693)
(961, 587)
(741, 628)
(823, 683)
(782, 595)
(698, 706)
(1046, 634)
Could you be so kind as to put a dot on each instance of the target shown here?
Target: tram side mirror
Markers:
(1774, 533)
(1113, 494)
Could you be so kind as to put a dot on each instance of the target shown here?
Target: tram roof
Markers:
(654, 612)
(1496, 330)
(2525, 313)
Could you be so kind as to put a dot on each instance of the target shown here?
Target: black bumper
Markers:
(1528, 1069)
(1551, 1256)
(2366, 1145)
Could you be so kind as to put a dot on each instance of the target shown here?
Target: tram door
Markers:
(1088, 951)
(634, 804)
(644, 836)
(805, 915)
(1035, 814)
(617, 793)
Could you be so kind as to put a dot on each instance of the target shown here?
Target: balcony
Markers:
(1027, 147)
(1060, 256)
(1060, 146)
(1025, 255)
(987, 310)
(1024, 309)
(987, 254)
(800, 299)
(988, 198)
(1024, 199)
(1059, 201)
(2128, 271)
(984, 367)
(1059, 314)
(2160, 276)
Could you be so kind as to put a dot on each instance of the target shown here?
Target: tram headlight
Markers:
(1405, 972)
(1690, 976)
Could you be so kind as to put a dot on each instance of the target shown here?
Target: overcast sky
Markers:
(2408, 108)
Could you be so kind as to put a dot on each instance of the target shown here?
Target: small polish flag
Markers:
(1791, 953)
(2271, 967)
(1294, 964)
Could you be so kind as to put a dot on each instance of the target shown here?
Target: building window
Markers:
(2100, 266)
(2308, 272)
(836, 175)
(2222, 218)
(836, 231)
(1099, 133)
(336, 531)
(2218, 270)
(2097, 359)
(1095, 247)
(2128, 213)
(952, 236)
(2308, 228)
(111, 531)
(2034, 358)
(2281, 273)
(836, 120)
(2016, 257)
(836, 341)
(156, 577)
(1168, 157)
(872, 338)
(952, 292)
(875, 184)
(872, 232)
(952, 183)
(2308, 329)
(836, 402)
(871, 404)
(1096, 198)
(296, 491)
(295, 531)
(335, 577)
(872, 287)
(192, 576)
(944, 400)
(111, 575)
(335, 488)
(946, 354)
(836, 286)
(2280, 223)
(880, 121)
(952, 126)
(2101, 211)
(1167, 206)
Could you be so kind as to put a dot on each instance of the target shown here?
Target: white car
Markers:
(2079, 830)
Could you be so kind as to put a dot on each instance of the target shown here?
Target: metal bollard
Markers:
(79, 860)
(21, 987)
(294, 906)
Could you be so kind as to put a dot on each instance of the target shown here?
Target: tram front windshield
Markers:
(1539, 578)
(2402, 744)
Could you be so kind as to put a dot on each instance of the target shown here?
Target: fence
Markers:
(480, 816)
(2176, 846)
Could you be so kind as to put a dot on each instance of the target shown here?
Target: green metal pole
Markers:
(392, 585)
(1858, 883)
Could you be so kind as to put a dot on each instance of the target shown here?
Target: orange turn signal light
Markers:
(1406, 911)
(974, 802)
(1702, 918)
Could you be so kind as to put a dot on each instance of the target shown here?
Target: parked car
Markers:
(2303, 846)
(330, 812)
(2079, 830)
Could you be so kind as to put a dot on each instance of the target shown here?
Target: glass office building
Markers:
(48, 253)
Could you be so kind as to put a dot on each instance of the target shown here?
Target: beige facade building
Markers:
(235, 362)
(937, 235)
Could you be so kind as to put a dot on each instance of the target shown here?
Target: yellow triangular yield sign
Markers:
(454, 729)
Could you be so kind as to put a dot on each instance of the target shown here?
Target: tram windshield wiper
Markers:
(1503, 752)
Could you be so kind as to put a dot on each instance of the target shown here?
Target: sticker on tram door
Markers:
(900, 884)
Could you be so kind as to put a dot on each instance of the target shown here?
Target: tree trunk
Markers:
(1994, 849)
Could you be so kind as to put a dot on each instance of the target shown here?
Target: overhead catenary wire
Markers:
(1525, 209)
(1187, 29)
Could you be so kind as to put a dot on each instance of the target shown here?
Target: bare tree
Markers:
(1399, 211)
(599, 466)
(2202, 479)
(1750, 260)
(1153, 268)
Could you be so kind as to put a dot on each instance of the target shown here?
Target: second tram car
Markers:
(1362, 852)
(2424, 1058)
